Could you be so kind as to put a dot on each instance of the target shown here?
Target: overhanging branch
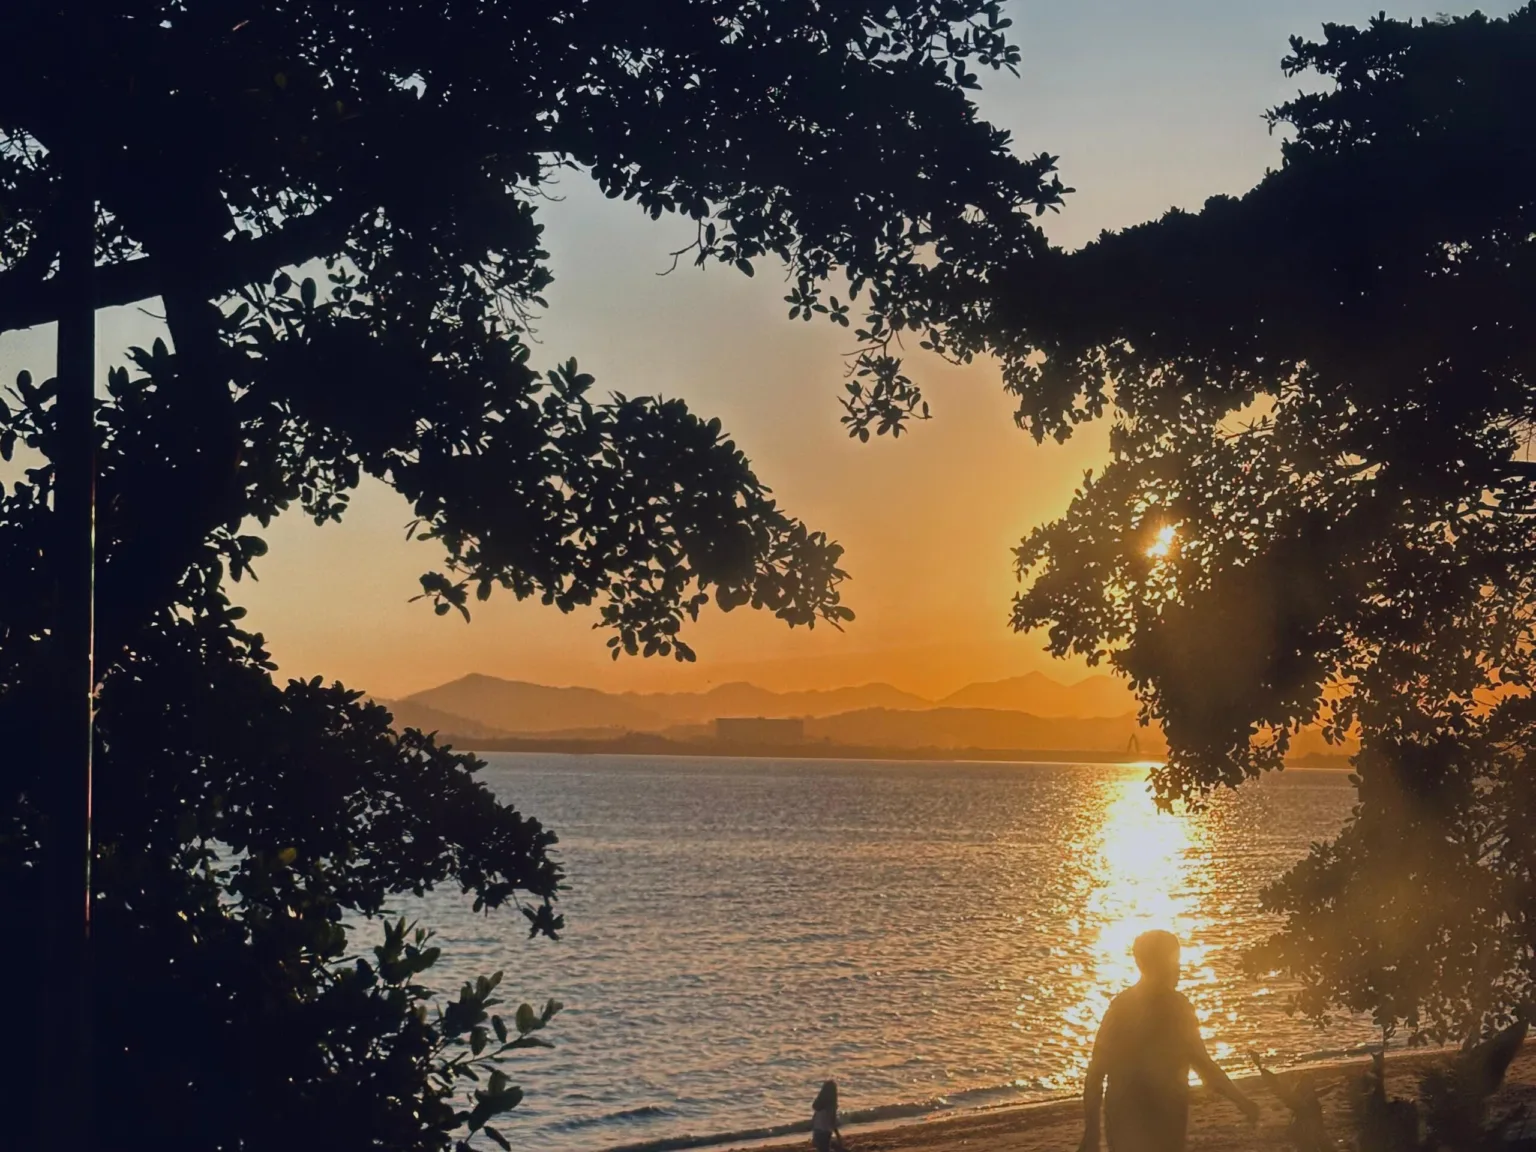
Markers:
(229, 266)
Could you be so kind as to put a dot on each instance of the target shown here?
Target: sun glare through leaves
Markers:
(1162, 543)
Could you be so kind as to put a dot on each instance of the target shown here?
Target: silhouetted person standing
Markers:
(824, 1128)
(1147, 1043)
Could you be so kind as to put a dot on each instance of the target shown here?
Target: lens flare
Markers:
(1162, 543)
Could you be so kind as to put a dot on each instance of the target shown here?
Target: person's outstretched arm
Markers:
(1215, 1079)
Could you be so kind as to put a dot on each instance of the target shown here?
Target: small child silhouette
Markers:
(1147, 1043)
(824, 1128)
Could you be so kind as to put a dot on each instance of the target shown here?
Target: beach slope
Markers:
(1214, 1124)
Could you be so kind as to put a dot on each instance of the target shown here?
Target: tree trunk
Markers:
(66, 1096)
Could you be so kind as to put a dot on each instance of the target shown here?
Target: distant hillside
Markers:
(411, 714)
(518, 706)
(1039, 694)
(982, 728)
(741, 699)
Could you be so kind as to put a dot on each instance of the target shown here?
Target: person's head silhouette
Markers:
(1157, 957)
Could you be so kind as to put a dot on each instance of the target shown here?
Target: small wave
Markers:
(974, 1099)
(1011, 1092)
(741, 1136)
(623, 1116)
(891, 1112)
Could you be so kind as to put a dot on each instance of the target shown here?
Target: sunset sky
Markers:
(1148, 105)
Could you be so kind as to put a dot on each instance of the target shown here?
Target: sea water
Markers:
(932, 935)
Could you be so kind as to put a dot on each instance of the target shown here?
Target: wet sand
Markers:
(1214, 1124)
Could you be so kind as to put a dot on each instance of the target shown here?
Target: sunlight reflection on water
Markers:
(1141, 865)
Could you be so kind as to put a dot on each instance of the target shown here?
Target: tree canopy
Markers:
(335, 210)
(1320, 503)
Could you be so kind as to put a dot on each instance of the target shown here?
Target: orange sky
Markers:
(1148, 105)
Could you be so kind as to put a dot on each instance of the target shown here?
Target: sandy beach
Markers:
(1214, 1124)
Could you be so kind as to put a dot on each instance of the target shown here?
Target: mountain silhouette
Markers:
(1097, 714)
(518, 706)
(742, 699)
(496, 706)
(1039, 694)
(414, 714)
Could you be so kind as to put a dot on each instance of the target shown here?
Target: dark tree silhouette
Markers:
(335, 211)
(1320, 506)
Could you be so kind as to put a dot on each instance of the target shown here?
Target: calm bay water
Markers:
(931, 934)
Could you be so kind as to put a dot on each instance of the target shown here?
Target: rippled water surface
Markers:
(738, 930)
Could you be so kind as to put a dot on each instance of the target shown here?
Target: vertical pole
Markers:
(67, 1094)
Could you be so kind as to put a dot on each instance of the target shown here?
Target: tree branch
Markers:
(234, 264)
(29, 271)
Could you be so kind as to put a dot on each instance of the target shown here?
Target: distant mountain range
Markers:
(516, 706)
(1039, 694)
(1091, 717)
(1030, 711)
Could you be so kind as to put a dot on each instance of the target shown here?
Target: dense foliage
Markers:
(1320, 506)
(335, 211)
(1454, 1110)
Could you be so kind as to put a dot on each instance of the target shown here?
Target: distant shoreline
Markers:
(646, 744)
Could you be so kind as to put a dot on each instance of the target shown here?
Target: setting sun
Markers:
(1162, 544)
